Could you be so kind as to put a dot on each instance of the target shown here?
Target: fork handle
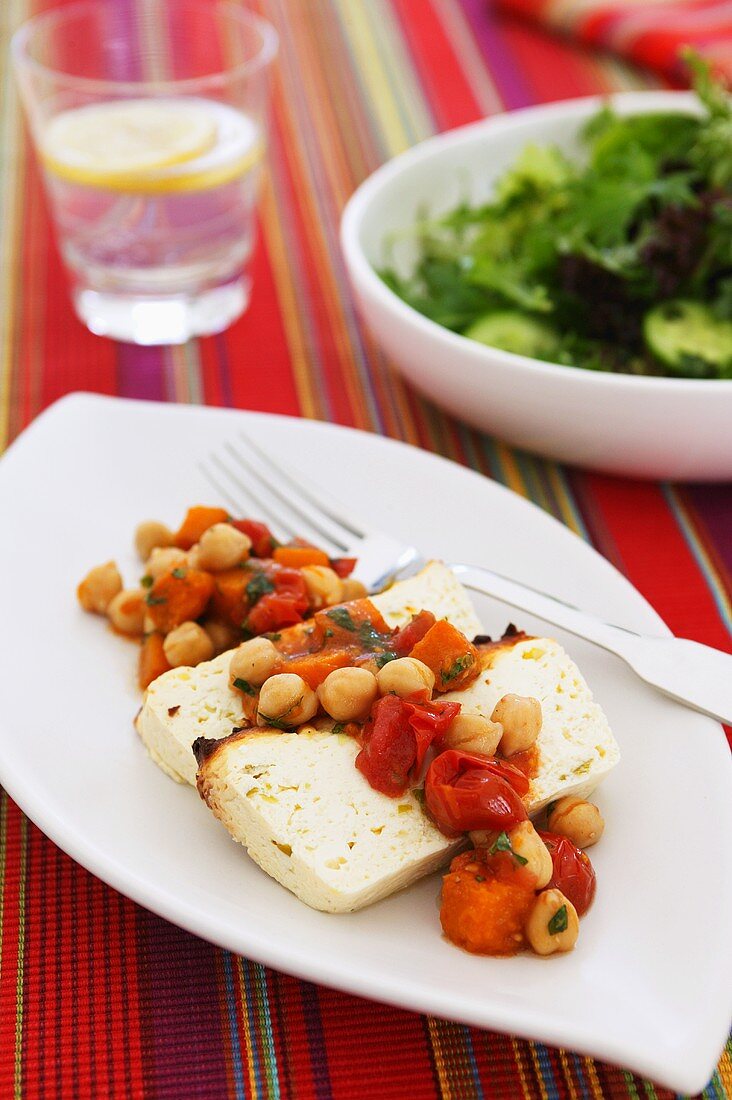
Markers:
(691, 673)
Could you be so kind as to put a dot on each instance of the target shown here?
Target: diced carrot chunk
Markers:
(452, 658)
(297, 556)
(484, 914)
(230, 599)
(178, 596)
(198, 519)
(314, 667)
(153, 662)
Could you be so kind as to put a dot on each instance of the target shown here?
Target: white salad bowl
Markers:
(623, 424)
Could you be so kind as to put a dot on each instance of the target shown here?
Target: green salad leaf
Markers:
(571, 255)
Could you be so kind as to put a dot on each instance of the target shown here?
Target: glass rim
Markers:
(218, 79)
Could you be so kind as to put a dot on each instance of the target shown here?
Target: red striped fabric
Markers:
(651, 34)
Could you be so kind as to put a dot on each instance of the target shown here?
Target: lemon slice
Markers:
(238, 150)
(119, 144)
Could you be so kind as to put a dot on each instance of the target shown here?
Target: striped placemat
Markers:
(98, 997)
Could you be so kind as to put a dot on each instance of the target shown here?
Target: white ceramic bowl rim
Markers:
(634, 102)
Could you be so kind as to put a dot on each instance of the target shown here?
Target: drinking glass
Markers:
(149, 118)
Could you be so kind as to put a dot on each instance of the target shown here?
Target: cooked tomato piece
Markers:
(263, 541)
(178, 596)
(407, 636)
(465, 791)
(343, 566)
(273, 611)
(573, 874)
(483, 913)
(277, 596)
(453, 659)
(198, 519)
(396, 738)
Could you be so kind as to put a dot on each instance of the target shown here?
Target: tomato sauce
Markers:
(527, 762)
(351, 634)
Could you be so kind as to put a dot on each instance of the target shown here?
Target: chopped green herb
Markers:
(369, 637)
(338, 728)
(278, 721)
(328, 633)
(152, 601)
(551, 807)
(384, 658)
(258, 586)
(245, 686)
(273, 637)
(342, 618)
(480, 878)
(502, 843)
(458, 667)
(179, 573)
(559, 921)
(147, 581)
(246, 633)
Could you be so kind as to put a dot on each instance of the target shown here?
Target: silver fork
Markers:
(248, 478)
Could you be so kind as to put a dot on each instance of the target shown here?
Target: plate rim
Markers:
(186, 914)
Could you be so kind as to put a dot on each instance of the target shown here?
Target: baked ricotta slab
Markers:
(296, 801)
(576, 748)
(310, 820)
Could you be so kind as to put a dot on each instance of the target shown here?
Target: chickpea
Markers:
(287, 700)
(223, 635)
(580, 821)
(324, 585)
(126, 612)
(163, 559)
(99, 587)
(150, 535)
(526, 842)
(222, 547)
(473, 733)
(347, 694)
(520, 716)
(254, 661)
(552, 908)
(188, 644)
(353, 589)
(405, 676)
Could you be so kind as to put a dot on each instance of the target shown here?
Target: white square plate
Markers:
(650, 982)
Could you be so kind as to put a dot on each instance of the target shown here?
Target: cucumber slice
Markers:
(510, 330)
(688, 339)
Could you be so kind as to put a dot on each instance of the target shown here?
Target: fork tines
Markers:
(249, 479)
